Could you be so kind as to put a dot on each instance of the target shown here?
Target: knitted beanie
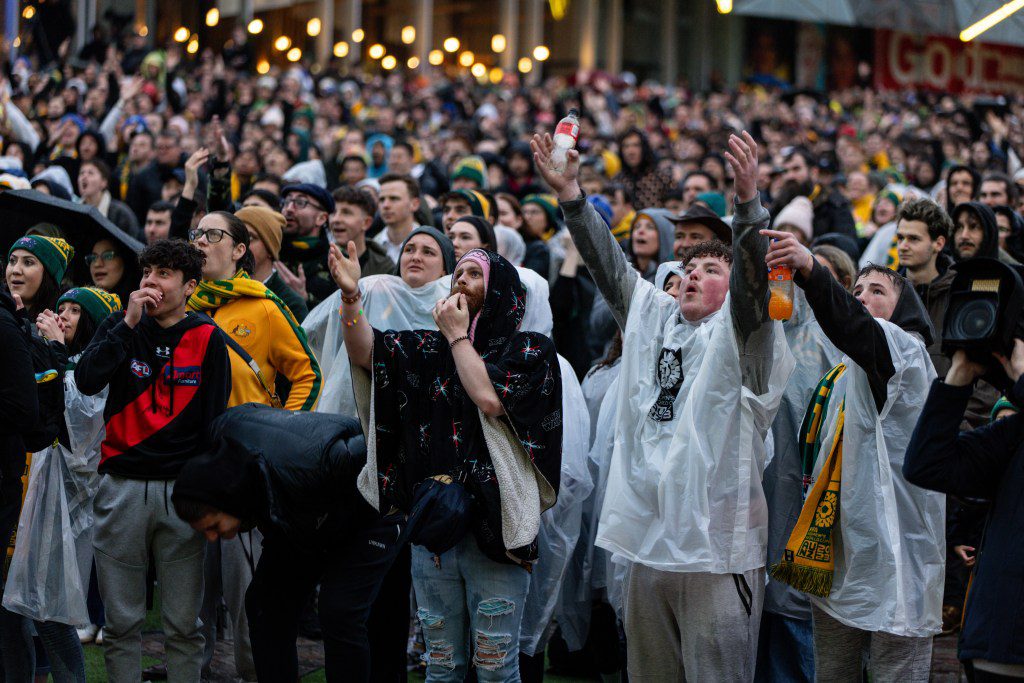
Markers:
(53, 252)
(97, 303)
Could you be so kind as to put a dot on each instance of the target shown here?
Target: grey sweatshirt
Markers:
(748, 279)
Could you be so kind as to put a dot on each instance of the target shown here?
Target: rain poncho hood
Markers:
(510, 244)
(377, 170)
(989, 247)
(684, 486)
(666, 232)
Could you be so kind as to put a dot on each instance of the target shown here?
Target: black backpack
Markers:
(48, 368)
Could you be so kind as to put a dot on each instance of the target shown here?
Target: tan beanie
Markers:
(268, 225)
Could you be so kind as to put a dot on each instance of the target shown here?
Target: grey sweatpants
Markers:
(134, 518)
(697, 627)
(229, 569)
(838, 649)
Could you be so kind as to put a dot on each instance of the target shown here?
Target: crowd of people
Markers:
(353, 358)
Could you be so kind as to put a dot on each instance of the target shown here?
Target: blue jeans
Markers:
(60, 641)
(785, 652)
(463, 593)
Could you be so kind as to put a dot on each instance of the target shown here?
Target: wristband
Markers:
(451, 344)
(351, 300)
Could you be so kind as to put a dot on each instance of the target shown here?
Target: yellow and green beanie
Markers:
(53, 252)
(471, 168)
(479, 205)
(97, 303)
(549, 203)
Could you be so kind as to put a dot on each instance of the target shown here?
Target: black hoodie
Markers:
(989, 247)
(166, 386)
(18, 407)
(855, 332)
(303, 489)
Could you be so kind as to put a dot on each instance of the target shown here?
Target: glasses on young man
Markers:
(105, 256)
(300, 203)
(212, 235)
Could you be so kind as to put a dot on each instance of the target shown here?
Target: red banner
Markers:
(906, 60)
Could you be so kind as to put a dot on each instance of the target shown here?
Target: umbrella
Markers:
(81, 224)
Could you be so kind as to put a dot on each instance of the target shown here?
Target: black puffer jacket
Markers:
(290, 473)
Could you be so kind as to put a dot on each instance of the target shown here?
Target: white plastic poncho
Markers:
(890, 552)
(45, 581)
(783, 476)
(685, 494)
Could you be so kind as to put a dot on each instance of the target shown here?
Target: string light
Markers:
(193, 46)
(255, 26)
(313, 27)
(541, 53)
(28, 12)
(498, 43)
(496, 74)
(262, 66)
(436, 57)
(389, 62)
(408, 34)
(358, 35)
(181, 34)
(376, 51)
(294, 54)
(282, 43)
(478, 70)
(525, 65)
(984, 24)
(450, 44)
(413, 62)
(724, 6)
(213, 17)
(341, 49)
(143, 31)
(466, 59)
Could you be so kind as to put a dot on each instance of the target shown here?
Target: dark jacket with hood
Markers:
(987, 462)
(832, 213)
(19, 408)
(990, 243)
(853, 330)
(301, 490)
(166, 385)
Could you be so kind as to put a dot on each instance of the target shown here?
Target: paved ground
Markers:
(945, 667)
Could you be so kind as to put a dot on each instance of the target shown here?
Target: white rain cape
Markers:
(783, 475)
(45, 582)
(684, 494)
(890, 550)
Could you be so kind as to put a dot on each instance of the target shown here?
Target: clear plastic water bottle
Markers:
(567, 132)
(780, 286)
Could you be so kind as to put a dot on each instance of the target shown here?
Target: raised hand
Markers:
(742, 156)
(452, 316)
(563, 183)
(50, 326)
(1014, 365)
(785, 250)
(295, 281)
(192, 166)
(345, 270)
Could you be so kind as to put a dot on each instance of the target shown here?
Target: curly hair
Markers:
(712, 248)
(928, 212)
(353, 196)
(177, 255)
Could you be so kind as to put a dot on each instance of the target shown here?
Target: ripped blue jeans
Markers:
(470, 608)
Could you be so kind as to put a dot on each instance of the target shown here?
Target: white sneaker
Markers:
(99, 637)
(87, 634)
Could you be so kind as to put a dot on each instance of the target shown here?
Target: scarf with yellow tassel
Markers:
(808, 562)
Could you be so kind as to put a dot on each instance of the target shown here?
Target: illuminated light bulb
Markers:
(478, 70)
(376, 51)
(436, 57)
(282, 43)
(466, 59)
(451, 44)
(313, 27)
(408, 34)
(389, 62)
(181, 34)
(28, 12)
(262, 66)
(341, 49)
(724, 6)
(498, 43)
(255, 26)
(413, 62)
(496, 75)
(541, 52)
(143, 31)
(193, 46)
(17, 42)
(294, 54)
(358, 35)
(213, 17)
(525, 65)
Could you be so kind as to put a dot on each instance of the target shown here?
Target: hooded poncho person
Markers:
(662, 219)
(421, 423)
(989, 247)
(783, 475)
(374, 170)
(889, 550)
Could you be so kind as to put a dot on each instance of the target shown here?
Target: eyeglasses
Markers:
(212, 235)
(107, 256)
(300, 203)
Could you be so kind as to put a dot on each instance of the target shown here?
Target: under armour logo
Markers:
(163, 351)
